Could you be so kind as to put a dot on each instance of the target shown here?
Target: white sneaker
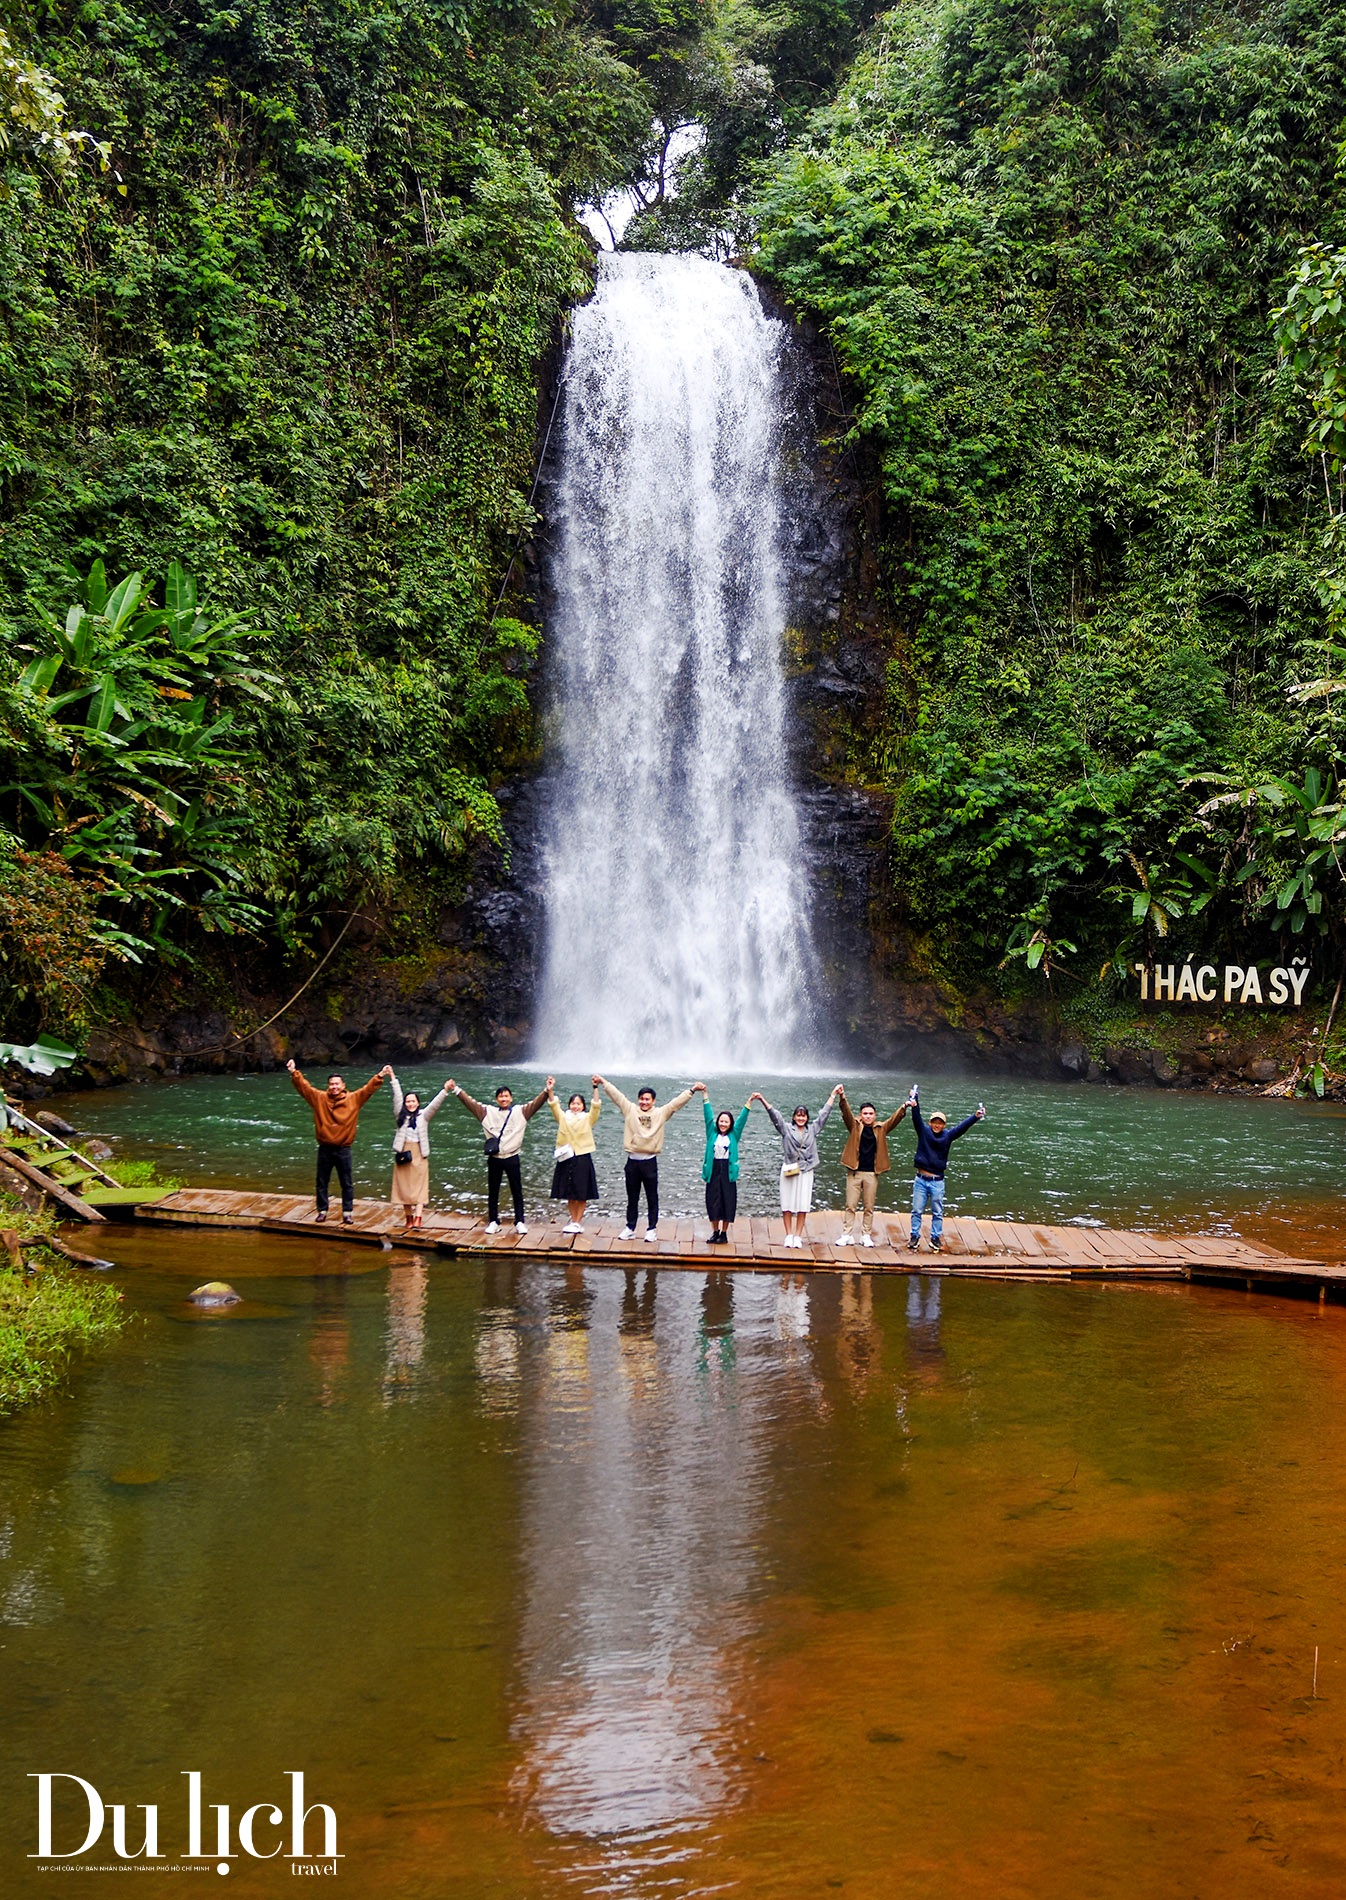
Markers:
(845, 1241)
(520, 1227)
(572, 1227)
(493, 1226)
(651, 1233)
(628, 1233)
(866, 1240)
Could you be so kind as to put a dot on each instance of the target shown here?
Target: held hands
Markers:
(451, 1086)
(386, 1070)
(551, 1086)
(598, 1081)
(290, 1065)
(698, 1088)
(757, 1096)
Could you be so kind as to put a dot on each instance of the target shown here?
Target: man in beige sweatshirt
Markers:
(643, 1140)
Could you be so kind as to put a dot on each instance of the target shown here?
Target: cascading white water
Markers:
(677, 900)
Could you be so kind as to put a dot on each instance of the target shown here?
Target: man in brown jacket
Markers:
(865, 1158)
(336, 1117)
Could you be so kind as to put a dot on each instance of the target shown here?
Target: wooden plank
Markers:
(62, 1196)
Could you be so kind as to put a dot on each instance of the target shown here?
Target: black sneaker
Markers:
(937, 1246)
(913, 1245)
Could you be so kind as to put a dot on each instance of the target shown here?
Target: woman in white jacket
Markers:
(411, 1150)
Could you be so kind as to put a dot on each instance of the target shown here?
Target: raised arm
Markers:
(846, 1114)
(362, 1095)
(614, 1093)
(742, 1121)
(473, 1108)
(556, 1109)
(962, 1127)
(820, 1119)
(396, 1088)
(595, 1108)
(776, 1121)
(305, 1087)
(892, 1120)
(531, 1108)
(709, 1114)
(674, 1103)
(433, 1106)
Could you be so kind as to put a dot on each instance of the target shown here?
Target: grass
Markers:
(45, 1317)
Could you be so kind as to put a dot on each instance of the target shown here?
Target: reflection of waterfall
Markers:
(646, 1468)
(677, 906)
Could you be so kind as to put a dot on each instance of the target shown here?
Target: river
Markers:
(583, 1582)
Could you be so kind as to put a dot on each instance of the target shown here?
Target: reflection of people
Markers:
(411, 1149)
(336, 1120)
(799, 1158)
(643, 1140)
(933, 1142)
(865, 1158)
(503, 1128)
(719, 1170)
(573, 1179)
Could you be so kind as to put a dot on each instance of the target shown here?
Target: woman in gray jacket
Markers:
(411, 1150)
(799, 1158)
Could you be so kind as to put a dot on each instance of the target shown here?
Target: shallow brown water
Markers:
(562, 1583)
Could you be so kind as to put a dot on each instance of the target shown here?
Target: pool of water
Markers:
(558, 1582)
(1268, 1170)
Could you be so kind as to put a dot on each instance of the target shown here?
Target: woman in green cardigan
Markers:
(719, 1170)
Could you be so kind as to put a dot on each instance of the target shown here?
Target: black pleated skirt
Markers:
(575, 1180)
(721, 1193)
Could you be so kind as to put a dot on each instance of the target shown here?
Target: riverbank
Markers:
(46, 1317)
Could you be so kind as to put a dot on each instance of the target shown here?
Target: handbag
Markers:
(402, 1157)
(564, 1152)
(791, 1169)
(491, 1145)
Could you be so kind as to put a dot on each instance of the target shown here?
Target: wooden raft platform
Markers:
(993, 1249)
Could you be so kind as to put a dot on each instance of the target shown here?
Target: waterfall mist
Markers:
(676, 894)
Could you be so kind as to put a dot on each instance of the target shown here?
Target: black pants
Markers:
(642, 1171)
(498, 1168)
(331, 1156)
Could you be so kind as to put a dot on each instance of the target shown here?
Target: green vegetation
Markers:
(45, 1316)
(272, 332)
(289, 341)
(1049, 245)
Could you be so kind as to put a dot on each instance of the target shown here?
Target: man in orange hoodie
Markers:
(336, 1117)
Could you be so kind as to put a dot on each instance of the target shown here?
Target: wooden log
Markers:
(62, 1196)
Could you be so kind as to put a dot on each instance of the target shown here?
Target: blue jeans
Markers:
(927, 1194)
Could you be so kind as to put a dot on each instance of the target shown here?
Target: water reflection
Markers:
(925, 1349)
(329, 1342)
(405, 1342)
(642, 1496)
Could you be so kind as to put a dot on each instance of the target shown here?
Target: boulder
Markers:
(1263, 1070)
(53, 1123)
(215, 1293)
(1074, 1058)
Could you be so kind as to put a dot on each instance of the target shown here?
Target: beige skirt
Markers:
(411, 1182)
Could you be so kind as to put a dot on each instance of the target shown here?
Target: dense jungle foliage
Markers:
(280, 281)
(278, 320)
(1050, 244)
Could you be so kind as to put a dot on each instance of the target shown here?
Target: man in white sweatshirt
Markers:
(643, 1140)
(503, 1129)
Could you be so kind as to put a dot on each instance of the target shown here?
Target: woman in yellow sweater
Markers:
(573, 1179)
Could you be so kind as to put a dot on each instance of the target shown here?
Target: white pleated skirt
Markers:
(796, 1191)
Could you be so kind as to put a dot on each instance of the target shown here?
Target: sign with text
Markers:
(1280, 985)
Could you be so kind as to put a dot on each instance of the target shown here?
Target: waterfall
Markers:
(677, 900)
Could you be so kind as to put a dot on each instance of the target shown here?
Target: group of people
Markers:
(864, 1157)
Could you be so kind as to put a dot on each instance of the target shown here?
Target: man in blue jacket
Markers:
(933, 1142)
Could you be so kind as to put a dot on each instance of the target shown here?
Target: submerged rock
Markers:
(215, 1293)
